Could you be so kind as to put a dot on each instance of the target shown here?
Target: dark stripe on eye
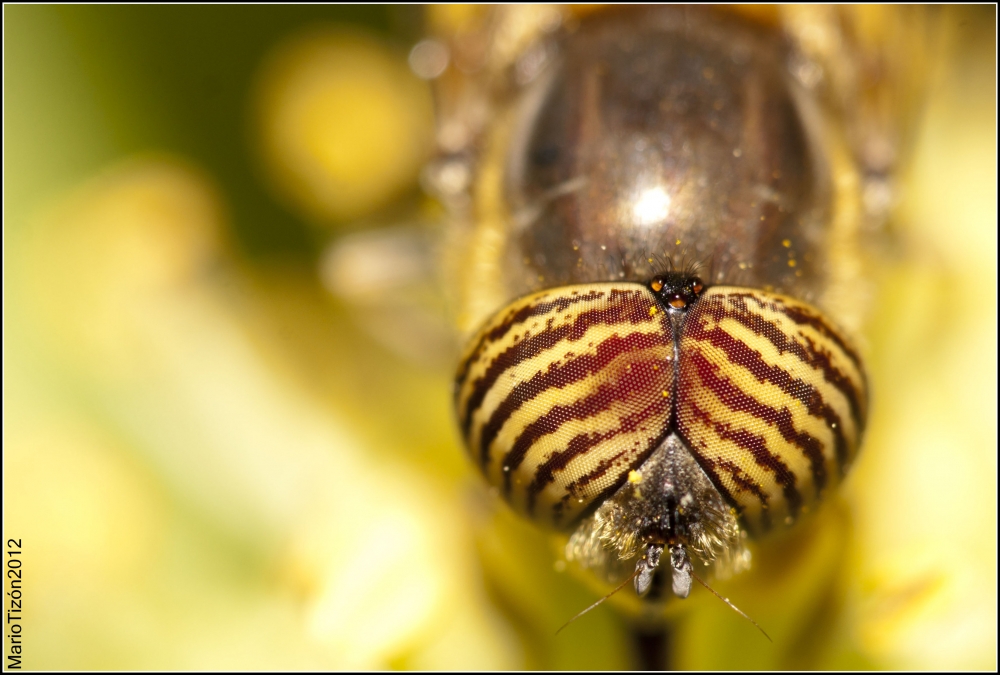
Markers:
(814, 357)
(803, 317)
(740, 355)
(582, 443)
(628, 387)
(639, 346)
(747, 484)
(519, 316)
(756, 446)
(618, 313)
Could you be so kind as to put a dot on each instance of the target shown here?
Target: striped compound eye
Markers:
(658, 416)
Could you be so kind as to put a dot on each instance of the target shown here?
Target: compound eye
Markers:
(565, 392)
(771, 398)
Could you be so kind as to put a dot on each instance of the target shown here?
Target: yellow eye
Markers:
(562, 396)
(772, 401)
(743, 399)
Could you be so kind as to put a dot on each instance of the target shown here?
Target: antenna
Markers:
(725, 600)
(620, 586)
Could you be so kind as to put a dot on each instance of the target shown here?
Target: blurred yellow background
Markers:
(213, 462)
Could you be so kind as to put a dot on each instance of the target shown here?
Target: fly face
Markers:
(657, 263)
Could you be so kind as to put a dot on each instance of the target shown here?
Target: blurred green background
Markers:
(88, 85)
(212, 463)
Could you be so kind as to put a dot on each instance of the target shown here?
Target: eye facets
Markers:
(661, 429)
